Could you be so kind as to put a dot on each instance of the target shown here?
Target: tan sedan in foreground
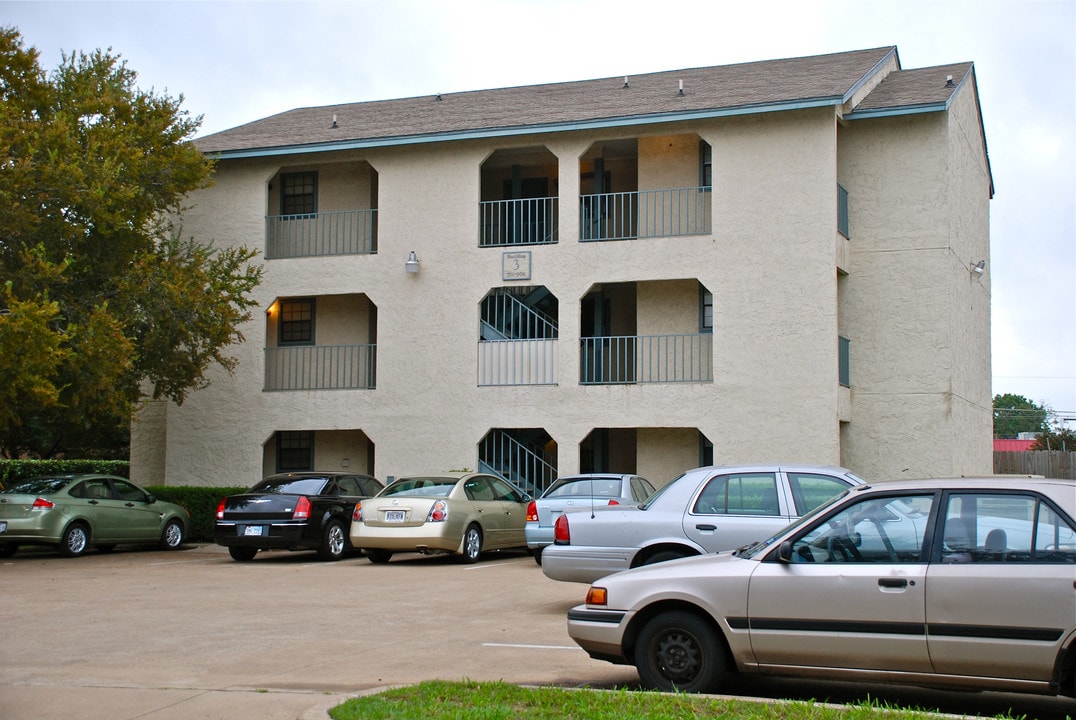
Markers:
(458, 513)
(949, 583)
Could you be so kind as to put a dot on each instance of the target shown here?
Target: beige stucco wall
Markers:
(769, 263)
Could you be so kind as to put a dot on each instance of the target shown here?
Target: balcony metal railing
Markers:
(842, 211)
(646, 213)
(348, 232)
(646, 359)
(517, 362)
(530, 221)
(320, 367)
(843, 367)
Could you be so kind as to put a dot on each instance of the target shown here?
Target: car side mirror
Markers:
(150, 498)
(784, 552)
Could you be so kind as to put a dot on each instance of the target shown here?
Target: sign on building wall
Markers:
(516, 266)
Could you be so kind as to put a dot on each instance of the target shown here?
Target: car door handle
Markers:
(93, 502)
(706, 528)
(893, 582)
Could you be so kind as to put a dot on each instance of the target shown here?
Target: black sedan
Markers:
(293, 511)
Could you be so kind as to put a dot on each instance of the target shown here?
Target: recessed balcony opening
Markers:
(519, 198)
(518, 336)
(318, 450)
(526, 457)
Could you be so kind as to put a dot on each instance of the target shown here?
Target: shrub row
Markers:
(201, 503)
(12, 471)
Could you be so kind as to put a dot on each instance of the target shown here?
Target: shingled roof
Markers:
(721, 90)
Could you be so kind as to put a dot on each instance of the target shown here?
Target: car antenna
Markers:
(591, 497)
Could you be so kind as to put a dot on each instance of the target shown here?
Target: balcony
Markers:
(645, 214)
(517, 362)
(347, 232)
(529, 221)
(683, 358)
(320, 367)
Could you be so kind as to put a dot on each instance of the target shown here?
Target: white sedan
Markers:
(705, 510)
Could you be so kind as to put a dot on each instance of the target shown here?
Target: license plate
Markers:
(253, 530)
(3, 527)
(395, 515)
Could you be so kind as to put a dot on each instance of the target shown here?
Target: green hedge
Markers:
(201, 503)
(11, 471)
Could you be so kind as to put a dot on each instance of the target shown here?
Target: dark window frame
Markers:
(299, 193)
(298, 329)
(294, 450)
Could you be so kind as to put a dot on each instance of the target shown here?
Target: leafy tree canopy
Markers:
(1060, 438)
(1014, 414)
(103, 302)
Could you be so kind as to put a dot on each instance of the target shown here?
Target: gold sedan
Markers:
(456, 513)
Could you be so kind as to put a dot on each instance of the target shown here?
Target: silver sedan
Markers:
(705, 510)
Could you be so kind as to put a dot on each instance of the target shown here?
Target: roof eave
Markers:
(487, 133)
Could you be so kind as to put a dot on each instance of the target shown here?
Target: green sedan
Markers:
(76, 512)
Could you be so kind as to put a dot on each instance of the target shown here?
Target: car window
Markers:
(739, 494)
(503, 491)
(983, 527)
(809, 490)
(129, 492)
(369, 486)
(290, 486)
(641, 489)
(427, 487)
(874, 530)
(348, 486)
(97, 489)
(586, 487)
(478, 489)
(37, 486)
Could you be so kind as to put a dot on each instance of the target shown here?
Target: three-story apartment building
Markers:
(769, 261)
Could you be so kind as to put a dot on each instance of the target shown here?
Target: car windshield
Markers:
(585, 487)
(37, 486)
(290, 486)
(750, 551)
(427, 487)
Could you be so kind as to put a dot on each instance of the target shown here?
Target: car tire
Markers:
(678, 652)
(664, 556)
(472, 544)
(173, 535)
(538, 555)
(242, 554)
(8, 549)
(333, 541)
(378, 557)
(75, 540)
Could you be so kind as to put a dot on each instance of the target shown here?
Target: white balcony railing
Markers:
(517, 362)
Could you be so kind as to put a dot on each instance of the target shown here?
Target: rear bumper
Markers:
(438, 537)
(274, 535)
(584, 564)
(538, 536)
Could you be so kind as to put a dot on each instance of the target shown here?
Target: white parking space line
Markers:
(533, 647)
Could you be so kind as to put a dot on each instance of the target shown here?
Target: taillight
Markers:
(561, 536)
(614, 501)
(43, 504)
(532, 512)
(356, 514)
(220, 509)
(439, 512)
(302, 509)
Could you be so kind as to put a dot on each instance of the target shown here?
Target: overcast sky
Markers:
(235, 62)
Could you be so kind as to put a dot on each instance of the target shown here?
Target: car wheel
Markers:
(472, 544)
(333, 541)
(75, 540)
(172, 537)
(378, 557)
(538, 555)
(105, 549)
(678, 652)
(8, 549)
(242, 554)
(664, 556)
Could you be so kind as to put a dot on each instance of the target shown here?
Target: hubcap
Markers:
(678, 657)
(172, 535)
(336, 540)
(472, 543)
(77, 542)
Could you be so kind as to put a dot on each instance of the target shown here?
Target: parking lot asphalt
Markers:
(157, 635)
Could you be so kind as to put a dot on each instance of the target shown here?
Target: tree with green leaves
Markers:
(103, 302)
(1014, 414)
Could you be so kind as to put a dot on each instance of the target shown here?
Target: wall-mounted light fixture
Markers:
(979, 268)
(269, 310)
(411, 266)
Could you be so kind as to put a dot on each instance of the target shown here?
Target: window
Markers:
(127, 491)
(740, 494)
(297, 321)
(878, 530)
(294, 450)
(299, 193)
(809, 490)
(706, 165)
(1009, 527)
(706, 311)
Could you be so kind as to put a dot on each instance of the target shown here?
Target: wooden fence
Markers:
(1048, 463)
